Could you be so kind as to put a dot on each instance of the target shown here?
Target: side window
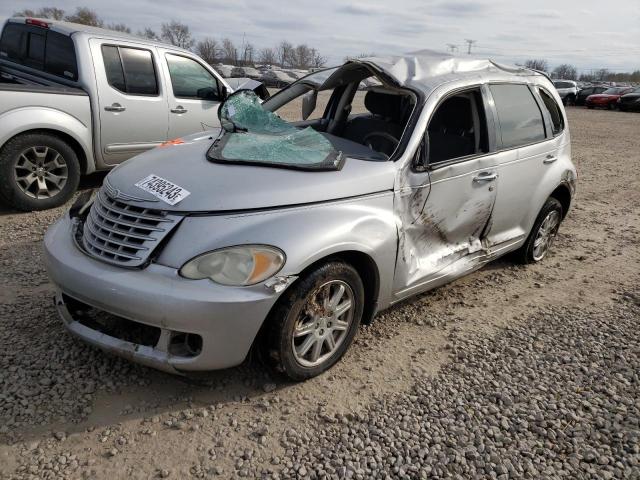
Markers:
(557, 121)
(191, 80)
(458, 128)
(130, 70)
(113, 67)
(518, 113)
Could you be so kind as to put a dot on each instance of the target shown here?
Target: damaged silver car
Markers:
(282, 237)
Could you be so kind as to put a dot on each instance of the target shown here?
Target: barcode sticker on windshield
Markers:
(165, 190)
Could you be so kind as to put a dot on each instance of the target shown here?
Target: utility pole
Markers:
(452, 47)
(469, 44)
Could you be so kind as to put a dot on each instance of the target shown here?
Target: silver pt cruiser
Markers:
(284, 236)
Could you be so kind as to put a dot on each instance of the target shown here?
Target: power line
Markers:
(452, 47)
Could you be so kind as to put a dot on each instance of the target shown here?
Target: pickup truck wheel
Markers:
(315, 321)
(543, 233)
(37, 171)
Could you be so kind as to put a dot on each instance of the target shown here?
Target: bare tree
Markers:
(119, 27)
(565, 71)
(537, 64)
(177, 34)
(247, 54)
(85, 16)
(317, 60)
(267, 56)
(229, 51)
(45, 12)
(602, 74)
(208, 49)
(285, 54)
(148, 33)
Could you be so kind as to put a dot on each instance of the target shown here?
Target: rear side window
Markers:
(130, 70)
(557, 121)
(519, 115)
(39, 48)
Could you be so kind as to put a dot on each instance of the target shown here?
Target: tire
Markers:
(528, 253)
(590, 107)
(55, 161)
(299, 309)
(571, 100)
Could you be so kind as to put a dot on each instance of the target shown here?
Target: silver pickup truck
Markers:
(77, 99)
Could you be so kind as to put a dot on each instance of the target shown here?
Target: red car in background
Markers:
(608, 98)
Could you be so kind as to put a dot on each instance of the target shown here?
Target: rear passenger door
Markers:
(194, 94)
(132, 108)
(527, 133)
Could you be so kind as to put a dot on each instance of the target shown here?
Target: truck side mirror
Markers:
(309, 103)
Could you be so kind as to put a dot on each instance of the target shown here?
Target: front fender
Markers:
(306, 234)
(21, 120)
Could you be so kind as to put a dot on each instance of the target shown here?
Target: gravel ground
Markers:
(510, 372)
(557, 396)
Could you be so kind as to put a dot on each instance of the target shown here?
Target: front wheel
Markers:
(37, 171)
(315, 321)
(543, 232)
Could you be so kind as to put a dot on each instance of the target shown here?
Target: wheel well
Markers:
(563, 195)
(73, 143)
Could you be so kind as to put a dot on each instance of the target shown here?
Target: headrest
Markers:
(384, 104)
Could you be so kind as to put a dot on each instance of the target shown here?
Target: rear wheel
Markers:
(37, 171)
(315, 322)
(543, 232)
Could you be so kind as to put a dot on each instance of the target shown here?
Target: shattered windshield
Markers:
(253, 135)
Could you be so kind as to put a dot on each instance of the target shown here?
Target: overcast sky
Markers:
(589, 34)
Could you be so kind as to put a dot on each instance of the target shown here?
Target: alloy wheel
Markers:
(41, 172)
(323, 323)
(546, 234)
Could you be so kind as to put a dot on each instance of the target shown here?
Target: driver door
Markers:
(445, 207)
(193, 96)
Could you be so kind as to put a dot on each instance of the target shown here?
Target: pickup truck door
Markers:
(131, 105)
(194, 94)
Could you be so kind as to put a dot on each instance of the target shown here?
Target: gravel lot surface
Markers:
(511, 372)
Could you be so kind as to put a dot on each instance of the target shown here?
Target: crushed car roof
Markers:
(425, 70)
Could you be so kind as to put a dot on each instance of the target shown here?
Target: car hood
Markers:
(217, 187)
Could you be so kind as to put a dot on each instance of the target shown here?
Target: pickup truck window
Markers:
(130, 70)
(38, 48)
(191, 80)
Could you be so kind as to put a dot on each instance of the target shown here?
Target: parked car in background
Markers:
(75, 99)
(630, 101)
(286, 242)
(246, 72)
(224, 70)
(608, 98)
(567, 89)
(276, 78)
(586, 91)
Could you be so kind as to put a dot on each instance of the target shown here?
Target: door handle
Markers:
(550, 159)
(179, 109)
(485, 177)
(115, 107)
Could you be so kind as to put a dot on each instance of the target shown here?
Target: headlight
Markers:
(236, 266)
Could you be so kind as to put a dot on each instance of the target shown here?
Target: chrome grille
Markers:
(124, 234)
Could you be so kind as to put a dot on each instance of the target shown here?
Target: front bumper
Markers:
(226, 318)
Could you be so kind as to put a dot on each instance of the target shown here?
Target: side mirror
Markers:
(422, 155)
(309, 103)
(207, 93)
(223, 93)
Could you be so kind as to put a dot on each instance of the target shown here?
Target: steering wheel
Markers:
(383, 139)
